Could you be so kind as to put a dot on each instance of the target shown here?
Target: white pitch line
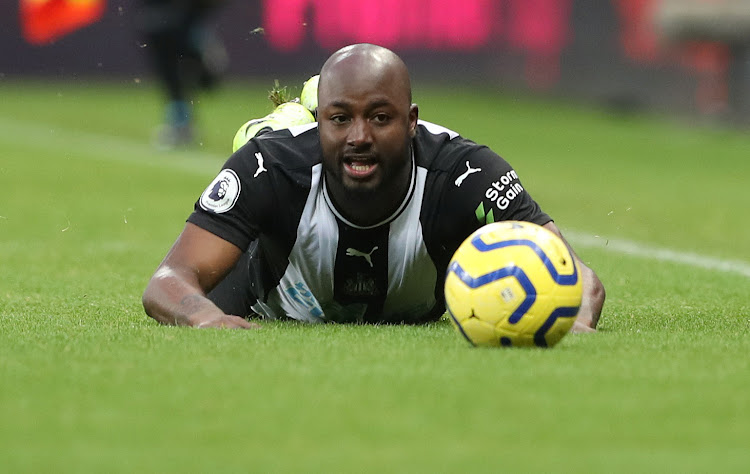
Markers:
(111, 148)
(637, 249)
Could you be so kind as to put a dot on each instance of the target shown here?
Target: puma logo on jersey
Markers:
(356, 253)
(259, 157)
(469, 170)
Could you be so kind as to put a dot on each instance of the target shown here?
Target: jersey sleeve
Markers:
(485, 186)
(236, 204)
(471, 186)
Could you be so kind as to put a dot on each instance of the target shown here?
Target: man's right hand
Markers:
(176, 294)
(228, 322)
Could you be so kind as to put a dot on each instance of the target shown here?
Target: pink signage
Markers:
(538, 30)
(413, 24)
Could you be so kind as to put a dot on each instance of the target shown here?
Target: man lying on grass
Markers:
(350, 219)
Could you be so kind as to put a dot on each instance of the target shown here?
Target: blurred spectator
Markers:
(187, 56)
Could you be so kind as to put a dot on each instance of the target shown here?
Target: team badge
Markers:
(221, 195)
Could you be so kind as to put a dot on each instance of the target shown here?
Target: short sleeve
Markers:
(485, 185)
(234, 206)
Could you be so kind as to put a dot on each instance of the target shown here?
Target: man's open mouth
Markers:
(360, 166)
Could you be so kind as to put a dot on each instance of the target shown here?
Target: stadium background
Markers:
(607, 52)
(88, 207)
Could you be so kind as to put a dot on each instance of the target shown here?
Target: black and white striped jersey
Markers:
(307, 262)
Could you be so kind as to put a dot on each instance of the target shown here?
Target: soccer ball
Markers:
(513, 283)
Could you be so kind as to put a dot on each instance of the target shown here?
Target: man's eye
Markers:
(339, 119)
(381, 118)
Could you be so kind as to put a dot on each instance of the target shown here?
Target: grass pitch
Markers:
(89, 384)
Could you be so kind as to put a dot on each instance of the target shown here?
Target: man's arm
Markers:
(176, 293)
(593, 291)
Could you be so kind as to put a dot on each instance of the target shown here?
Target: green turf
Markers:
(89, 384)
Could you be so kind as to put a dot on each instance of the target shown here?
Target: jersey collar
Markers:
(388, 219)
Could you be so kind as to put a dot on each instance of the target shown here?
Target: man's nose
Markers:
(359, 133)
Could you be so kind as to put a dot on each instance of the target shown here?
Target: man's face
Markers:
(366, 124)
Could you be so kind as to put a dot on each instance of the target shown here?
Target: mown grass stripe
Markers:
(102, 147)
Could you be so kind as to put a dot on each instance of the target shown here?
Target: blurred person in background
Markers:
(186, 55)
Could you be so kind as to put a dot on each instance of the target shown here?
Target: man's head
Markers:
(366, 122)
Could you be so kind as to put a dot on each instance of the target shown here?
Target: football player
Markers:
(352, 218)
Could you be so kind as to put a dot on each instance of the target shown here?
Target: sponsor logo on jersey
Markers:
(484, 217)
(357, 253)
(261, 168)
(469, 170)
(221, 195)
(304, 297)
(504, 190)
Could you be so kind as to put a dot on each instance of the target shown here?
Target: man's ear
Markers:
(413, 118)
